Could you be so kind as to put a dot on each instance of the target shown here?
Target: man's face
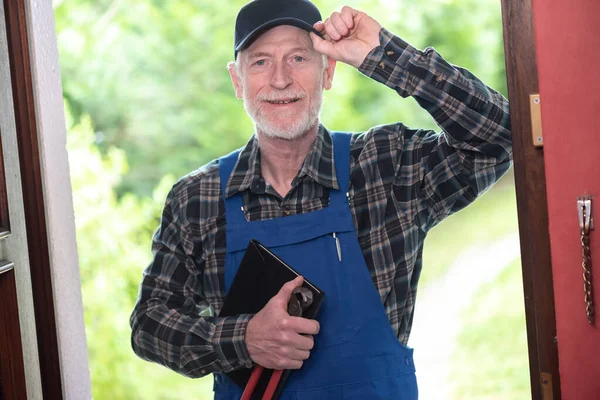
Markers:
(281, 79)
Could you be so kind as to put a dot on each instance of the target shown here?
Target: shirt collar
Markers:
(319, 165)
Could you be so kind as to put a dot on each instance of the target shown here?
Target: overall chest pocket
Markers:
(335, 329)
(340, 316)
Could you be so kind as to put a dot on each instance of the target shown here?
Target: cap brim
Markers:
(271, 24)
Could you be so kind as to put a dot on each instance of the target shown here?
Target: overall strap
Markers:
(233, 205)
(341, 149)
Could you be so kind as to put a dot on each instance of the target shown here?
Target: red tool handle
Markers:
(253, 381)
(273, 382)
(251, 385)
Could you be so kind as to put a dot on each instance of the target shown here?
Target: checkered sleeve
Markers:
(167, 326)
(449, 169)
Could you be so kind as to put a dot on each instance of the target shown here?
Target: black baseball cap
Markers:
(260, 15)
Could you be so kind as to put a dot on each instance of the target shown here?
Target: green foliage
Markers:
(113, 237)
(150, 99)
(152, 74)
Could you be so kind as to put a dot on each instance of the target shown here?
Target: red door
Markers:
(567, 40)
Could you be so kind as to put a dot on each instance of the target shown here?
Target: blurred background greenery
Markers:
(148, 99)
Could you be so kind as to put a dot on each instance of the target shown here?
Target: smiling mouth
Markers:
(282, 101)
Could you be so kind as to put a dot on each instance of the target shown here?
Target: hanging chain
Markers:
(586, 264)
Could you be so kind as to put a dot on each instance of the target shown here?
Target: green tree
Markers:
(113, 238)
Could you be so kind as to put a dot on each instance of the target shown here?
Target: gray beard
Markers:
(294, 129)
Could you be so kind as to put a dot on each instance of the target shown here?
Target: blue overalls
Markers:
(356, 353)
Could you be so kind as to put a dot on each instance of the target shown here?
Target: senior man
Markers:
(368, 198)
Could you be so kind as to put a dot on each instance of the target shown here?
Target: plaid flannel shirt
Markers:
(403, 182)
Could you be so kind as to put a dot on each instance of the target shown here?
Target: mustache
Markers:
(280, 96)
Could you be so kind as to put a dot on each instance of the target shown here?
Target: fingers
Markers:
(305, 343)
(292, 364)
(319, 26)
(301, 342)
(286, 290)
(347, 14)
(299, 355)
(301, 325)
(323, 46)
(339, 24)
(291, 351)
(331, 30)
(290, 357)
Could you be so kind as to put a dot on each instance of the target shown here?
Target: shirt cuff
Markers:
(388, 63)
(230, 342)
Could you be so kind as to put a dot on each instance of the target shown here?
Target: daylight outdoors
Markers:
(148, 99)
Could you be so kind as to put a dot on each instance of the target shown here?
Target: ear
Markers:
(235, 80)
(328, 74)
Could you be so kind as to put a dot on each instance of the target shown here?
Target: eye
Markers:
(299, 58)
(260, 63)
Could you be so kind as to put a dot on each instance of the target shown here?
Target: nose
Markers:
(281, 77)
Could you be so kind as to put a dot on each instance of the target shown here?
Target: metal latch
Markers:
(586, 224)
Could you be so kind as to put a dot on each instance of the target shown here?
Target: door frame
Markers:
(521, 70)
(33, 197)
(532, 204)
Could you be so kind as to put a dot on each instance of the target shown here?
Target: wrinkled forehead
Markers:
(280, 39)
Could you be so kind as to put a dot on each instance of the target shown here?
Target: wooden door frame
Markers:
(532, 205)
(33, 197)
(521, 68)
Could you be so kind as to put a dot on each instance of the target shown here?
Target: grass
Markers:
(490, 361)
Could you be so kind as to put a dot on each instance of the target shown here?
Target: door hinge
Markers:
(546, 383)
(536, 120)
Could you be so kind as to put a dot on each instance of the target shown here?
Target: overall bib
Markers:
(356, 353)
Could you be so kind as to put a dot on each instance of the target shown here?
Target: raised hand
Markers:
(349, 35)
(277, 340)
